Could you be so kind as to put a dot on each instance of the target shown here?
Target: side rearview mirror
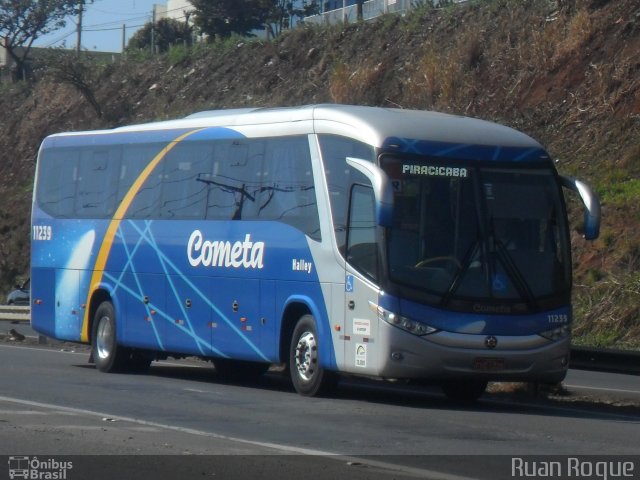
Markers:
(591, 203)
(382, 189)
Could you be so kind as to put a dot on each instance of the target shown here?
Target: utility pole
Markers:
(153, 30)
(79, 33)
(124, 36)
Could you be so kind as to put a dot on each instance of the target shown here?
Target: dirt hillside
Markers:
(570, 79)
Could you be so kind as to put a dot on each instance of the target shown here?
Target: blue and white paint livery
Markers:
(247, 236)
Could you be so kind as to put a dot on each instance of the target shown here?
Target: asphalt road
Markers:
(611, 386)
(54, 403)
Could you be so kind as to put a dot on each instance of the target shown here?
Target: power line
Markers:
(119, 22)
(111, 29)
(60, 39)
(120, 27)
(90, 28)
(117, 25)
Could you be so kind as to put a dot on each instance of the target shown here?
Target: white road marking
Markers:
(283, 449)
(40, 349)
(33, 412)
(22, 412)
(618, 390)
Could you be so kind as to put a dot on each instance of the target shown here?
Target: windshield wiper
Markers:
(467, 260)
(514, 274)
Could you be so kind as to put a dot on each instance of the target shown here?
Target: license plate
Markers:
(487, 364)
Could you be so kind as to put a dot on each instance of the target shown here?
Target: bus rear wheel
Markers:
(309, 378)
(107, 355)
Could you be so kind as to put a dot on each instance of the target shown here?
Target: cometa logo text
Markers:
(218, 253)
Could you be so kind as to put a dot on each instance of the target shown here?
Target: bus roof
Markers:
(376, 126)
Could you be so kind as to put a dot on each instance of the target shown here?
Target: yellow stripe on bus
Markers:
(107, 242)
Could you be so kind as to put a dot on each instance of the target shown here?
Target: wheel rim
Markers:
(306, 356)
(104, 338)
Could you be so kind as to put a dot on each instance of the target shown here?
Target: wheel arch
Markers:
(99, 295)
(294, 309)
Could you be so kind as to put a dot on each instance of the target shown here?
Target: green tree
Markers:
(24, 21)
(222, 18)
(82, 73)
(284, 14)
(167, 32)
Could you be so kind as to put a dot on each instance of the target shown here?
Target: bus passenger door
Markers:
(361, 294)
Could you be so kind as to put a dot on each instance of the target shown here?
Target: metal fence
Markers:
(370, 9)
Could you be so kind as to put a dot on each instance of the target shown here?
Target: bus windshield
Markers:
(467, 233)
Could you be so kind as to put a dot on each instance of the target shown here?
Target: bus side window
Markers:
(234, 179)
(97, 182)
(134, 159)
(288, 191)
(362, 250)
(340, 177)
(57, 179)
(187, 170)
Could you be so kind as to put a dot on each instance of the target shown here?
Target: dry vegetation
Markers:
(570, 78)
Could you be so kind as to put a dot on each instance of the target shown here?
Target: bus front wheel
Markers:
(108, 356)
(307, 375)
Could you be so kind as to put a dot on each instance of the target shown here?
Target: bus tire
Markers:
(107, 355)
(464, 391)
(307, 376)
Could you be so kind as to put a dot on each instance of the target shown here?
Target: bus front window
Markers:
(463, 233)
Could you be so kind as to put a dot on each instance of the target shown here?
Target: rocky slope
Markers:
(569, 78)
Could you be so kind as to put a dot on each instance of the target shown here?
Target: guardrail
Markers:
(605, 360)
(15, 313)
(582, 358)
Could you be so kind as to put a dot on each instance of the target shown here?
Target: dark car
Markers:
(21, 295)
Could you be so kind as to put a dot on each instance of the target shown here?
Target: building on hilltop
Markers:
(180, 10)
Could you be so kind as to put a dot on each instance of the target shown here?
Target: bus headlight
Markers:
(557, 333)
(411, 326)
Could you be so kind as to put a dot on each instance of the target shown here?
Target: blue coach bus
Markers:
(378, 242)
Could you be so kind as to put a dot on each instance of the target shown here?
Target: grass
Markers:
(607, 313)
(577, 31)
(177, 54)
(620, 191)
(356, 83)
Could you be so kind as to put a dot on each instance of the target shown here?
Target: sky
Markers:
(102, 25)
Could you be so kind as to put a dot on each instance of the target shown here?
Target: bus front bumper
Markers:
(445, 355)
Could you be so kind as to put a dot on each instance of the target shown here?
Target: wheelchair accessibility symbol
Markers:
(348, 284)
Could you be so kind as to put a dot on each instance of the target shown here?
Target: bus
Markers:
(334, 239)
